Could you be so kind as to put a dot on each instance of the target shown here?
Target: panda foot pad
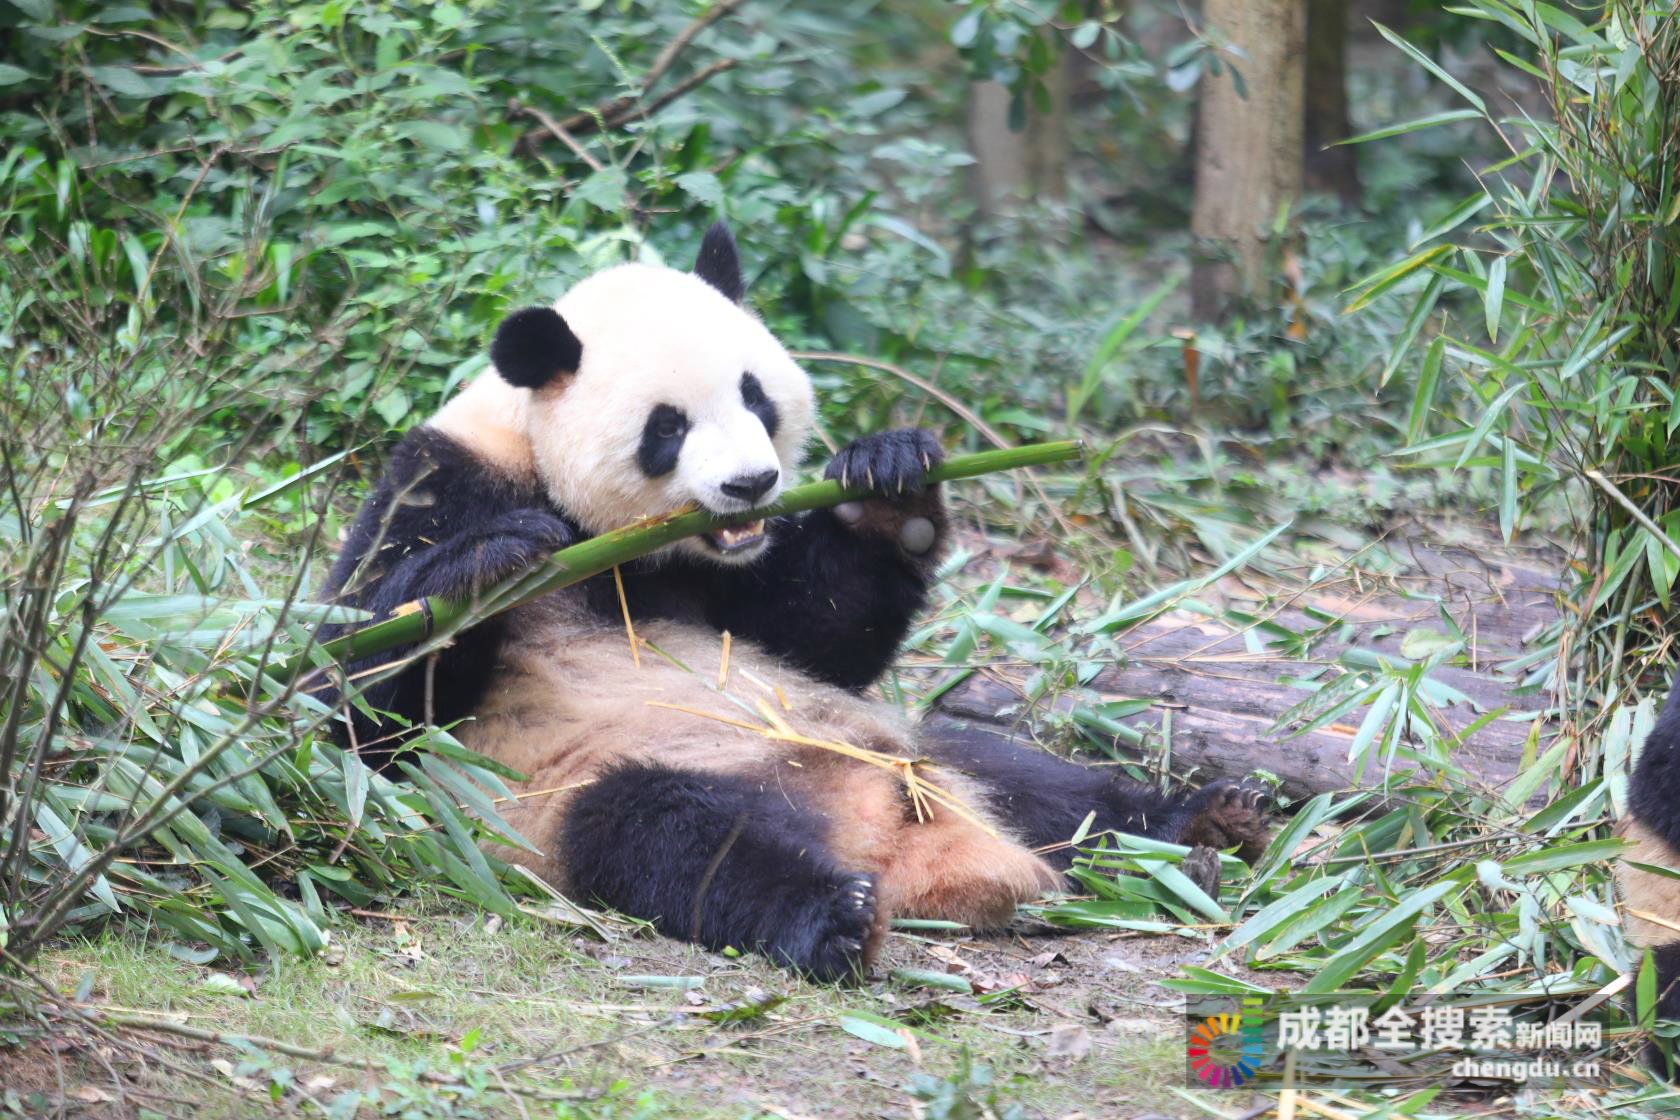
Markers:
(1229, 816)
(916, 534)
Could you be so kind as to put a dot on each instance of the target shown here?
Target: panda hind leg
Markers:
(1046, 799)
(716, 859)
(1225, 815)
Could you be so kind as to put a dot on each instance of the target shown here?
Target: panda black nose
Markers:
(751, 487)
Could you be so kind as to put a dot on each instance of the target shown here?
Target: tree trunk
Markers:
(1049, 142)
(1224, 700)
(1001, 175)
(1013, 168)
(1329, 170)
(1248, 148)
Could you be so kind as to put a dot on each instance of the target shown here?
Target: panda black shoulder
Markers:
(431, 483)
(443, 520)
(448, 472)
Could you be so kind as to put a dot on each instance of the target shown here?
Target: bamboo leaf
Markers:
(1508, 488)
(1389, 927)
(1123, 616)
(1432, 66)
(1423, 397)
(1433, 120)
(1262, 922)
(1111, 343)
(1564, 855)
(1485, 423)
(1414, 323)
(1494, 300)
(1385, 278)
(873, 1028)
(1457, 216)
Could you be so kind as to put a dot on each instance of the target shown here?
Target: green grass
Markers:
(262, 287)
(563, 1012)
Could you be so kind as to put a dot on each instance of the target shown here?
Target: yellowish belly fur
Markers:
(569, 702)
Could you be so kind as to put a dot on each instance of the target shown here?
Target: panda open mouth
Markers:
(738, 538)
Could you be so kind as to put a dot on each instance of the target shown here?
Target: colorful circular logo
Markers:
(1225, 1050)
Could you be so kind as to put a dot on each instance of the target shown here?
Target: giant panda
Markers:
(647, 788)
(1652, 828)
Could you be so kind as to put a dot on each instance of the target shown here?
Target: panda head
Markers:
(650, 388)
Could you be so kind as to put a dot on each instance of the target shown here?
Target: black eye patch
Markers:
(662, 440)
(752, 395)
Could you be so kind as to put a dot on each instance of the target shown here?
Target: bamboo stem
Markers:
(414, 622)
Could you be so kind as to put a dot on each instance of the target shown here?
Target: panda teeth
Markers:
(729, 540)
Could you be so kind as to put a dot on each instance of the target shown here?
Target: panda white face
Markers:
(674, 394)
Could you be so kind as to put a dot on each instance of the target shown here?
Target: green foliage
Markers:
(152, 768)
(1018, 42)
(242, 244)
(1544, 302)
(368, 172)
(1567, 257)
(966, 1093)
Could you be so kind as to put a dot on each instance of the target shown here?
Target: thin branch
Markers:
(1634, 511)
(662, 62)
(559, 131)
(603, 118)
(611, 114)
(698, 78)
(622, 106)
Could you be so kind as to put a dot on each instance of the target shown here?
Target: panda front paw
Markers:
(889, 463)
(536, 528)
(517, 541)
(915, 530)
(474, 560)
(893, 465)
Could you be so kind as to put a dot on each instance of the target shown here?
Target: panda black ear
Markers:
(534, 346)
(719, 264)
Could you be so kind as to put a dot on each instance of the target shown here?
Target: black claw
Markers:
(892, 462)
(842, 930)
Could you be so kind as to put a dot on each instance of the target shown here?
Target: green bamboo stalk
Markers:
(421, 619)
